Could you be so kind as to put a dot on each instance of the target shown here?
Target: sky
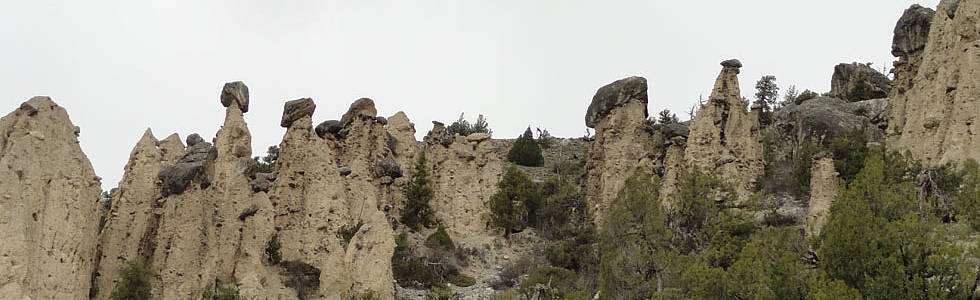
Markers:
(121, 66)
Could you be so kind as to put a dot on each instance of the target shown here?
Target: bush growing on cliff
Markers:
(516, 202)
(273, 252)
(411, 270)
(134, 282)
(464, 128)
(419, 193)
(440, 240)
(264, 164)
(221, 292)
(526, 151)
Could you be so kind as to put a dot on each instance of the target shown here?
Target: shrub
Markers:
(410, 270)
(510, 275)
(418, 194)
(799, 181)
(264, 164)
(464, 128)
(515, 202)
(221, 292)
(967, 202)
(440, 240)
(462, 280)
(559, 283)
(850, 151)
(134, 283)
(563, 208)
(526, 151)
(439, 293)
(805, 95)
(272, 250)
(545, 140)
(347, 232)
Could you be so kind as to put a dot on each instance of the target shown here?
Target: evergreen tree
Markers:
(516, 201)
(419, 193)
(634, 242)
(526, 151)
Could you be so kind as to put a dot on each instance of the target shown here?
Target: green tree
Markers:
(526, 151)
(464, 128)
(634, 242)
(418, 212)
(767, 91)
(516, 201)
(134, 283)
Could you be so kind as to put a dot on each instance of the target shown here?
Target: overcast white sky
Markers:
(120, 66)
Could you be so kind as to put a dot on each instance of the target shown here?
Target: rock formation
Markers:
(725, 139)
(618, 113)
(823, 193)
(49, 198)
(857, 82)
(464, 175)
(932, 113)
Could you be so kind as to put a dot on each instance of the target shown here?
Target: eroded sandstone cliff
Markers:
(49, 198)
(932, 113)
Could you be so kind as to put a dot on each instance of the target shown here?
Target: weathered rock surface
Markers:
(618, 113)
(363, 107)
(912, 31)
(295, 110)
(933, 111)
(332, 127)
(857, 82)
(613, 95)
(823, 118)
(49, 198)
(235, 93)
(723, 128)
(823, 193)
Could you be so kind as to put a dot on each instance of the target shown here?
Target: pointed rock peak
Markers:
(235, 93)
(147, 136)
(615, 94)
(295, 110)
(912, 31)
(36, 104)
(194, 139)
(400, 122)
(363, 107)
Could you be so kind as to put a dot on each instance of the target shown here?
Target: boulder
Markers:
(857, 82)
(675, 129)
(724, 159)
(344, 171)
(235, 93)
(295, 110)
(328, 127)
(176, 178)
(912, 31)
(382, 120)
(732, 63)
(823, 118)
(194, 139)
(477, 137)
(388, 167)
(613, 95)
(363, 107)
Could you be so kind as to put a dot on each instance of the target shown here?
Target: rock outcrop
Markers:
(933, 108)
(823, 193)
(725, 139)
(49, 198)
(858, 82)
(618, 113)
(313, 202)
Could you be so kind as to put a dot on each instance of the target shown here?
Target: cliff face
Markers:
(725, 139)
(465, 175)
(622, 144)
(48, 205)
(933, 109)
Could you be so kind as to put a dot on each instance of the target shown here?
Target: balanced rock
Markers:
(295, 110)
(235, 93)
(613, 95)
(363, 107)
